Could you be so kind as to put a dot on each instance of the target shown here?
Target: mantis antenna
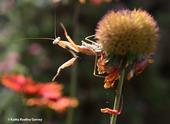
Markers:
(55, 19)
(43, 38)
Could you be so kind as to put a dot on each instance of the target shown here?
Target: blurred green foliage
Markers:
(146, 97)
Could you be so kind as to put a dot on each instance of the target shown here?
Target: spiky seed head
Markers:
(127, 31)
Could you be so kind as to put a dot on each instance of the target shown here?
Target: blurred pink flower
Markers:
(6, 6)
(35, 49)
(8, 63)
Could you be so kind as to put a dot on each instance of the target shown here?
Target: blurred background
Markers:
(146, 97)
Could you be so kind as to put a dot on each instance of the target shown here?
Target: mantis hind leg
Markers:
(65, 65)
(68, 63)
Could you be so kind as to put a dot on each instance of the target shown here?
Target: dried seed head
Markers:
(126, 31)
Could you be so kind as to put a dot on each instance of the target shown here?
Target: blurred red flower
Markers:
(59, 105)
(18, 82)
(47, 94)
(50, 90)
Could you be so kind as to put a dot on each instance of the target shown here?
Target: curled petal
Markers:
(142, 65)
(130, 74)
(110, 111)
(111, 78)
(107, 85)
(101, 63)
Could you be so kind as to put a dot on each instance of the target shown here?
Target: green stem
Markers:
(118, 96)
(73, 82)
(73, 87)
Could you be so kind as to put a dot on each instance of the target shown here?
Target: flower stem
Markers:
(118, 96)
(73, 85)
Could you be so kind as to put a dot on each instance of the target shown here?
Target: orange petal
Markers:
(110, 111)
(101, 63)
(130, 75)
(111, 78)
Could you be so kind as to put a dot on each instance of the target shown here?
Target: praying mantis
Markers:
(92, 49)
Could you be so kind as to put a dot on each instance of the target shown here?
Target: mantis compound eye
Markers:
(56, 40)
